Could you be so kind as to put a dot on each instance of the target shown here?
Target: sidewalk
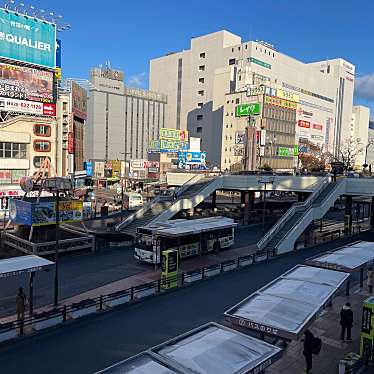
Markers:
(327, 327)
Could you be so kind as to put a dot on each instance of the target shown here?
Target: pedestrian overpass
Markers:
(283, 235)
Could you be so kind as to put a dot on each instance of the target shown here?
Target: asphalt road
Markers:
(93, 343)
(80, 272)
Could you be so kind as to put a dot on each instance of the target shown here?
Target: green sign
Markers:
(244, 110)
(283, 151)
(259, 62)
(26, 39)
(295, 150)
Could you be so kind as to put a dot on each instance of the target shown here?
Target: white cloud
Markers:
(364, 87)
(137, 80)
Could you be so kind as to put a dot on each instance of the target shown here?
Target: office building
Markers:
(197, 81)
(121, 120)
(359, 132)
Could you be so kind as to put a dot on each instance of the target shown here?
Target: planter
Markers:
(44, 324)
(139, 294)
(229, 266)
(117, 301)
(212, 272)
(82, 309)
(193, 277)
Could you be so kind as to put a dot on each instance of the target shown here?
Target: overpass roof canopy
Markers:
(23, 264)
(288, 305)
(348, 259)
(181, 227)
(210, 348)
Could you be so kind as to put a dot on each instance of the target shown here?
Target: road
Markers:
(80, 272)
(93, 343)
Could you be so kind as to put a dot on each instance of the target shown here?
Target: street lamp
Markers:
(265, 180)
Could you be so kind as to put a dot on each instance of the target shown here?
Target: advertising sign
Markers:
(244, 110)
(79, 100)
(288, 96)
(89, 169)
(174, 134)
(70, 142)
(304, 124)
(29, 107)
(239, 151)
(116, 168)
(58, 53)
(192, 157)
(24, 83)
(280, 102)
(254, 91)
(288, 151)
(27, 39)
(317, 127)
(239, 138)
(170, 265)
(168, 146)
(44, 213)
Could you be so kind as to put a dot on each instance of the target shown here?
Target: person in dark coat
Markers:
(346, 321)
(308, 350)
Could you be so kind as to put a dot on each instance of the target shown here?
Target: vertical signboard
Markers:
(27, 39)
(170, 263)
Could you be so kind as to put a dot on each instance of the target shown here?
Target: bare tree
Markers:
(349, 150)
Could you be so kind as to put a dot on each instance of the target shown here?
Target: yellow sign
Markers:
(58, 73)
(288, 96)
(170, 267)
(174, 134)
(116, 168)
(280, 102)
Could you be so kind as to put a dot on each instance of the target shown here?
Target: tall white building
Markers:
(196, 82)
(359, 131)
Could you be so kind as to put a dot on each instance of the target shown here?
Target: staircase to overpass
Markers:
(284, 234)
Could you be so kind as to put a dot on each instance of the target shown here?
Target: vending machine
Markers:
(170, 265)
(367, 326)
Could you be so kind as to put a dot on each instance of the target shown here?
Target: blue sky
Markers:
(130, 33)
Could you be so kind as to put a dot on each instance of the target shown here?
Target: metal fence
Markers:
(55, 316)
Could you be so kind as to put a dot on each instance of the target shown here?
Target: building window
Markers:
(12, 150)
(199, 117)
(246, 46)
(64, 106)
(237, 101)
(201, 80)
(240, 77)
(232, 61)
(42, 130)
(201, 92)
(227, 126)
(202, 55)
(200, 105)
(42, 146)
(38, 160)
(232, 49)
(202, 68)
(199, 130)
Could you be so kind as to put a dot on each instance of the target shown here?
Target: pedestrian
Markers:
(369, 279)
(346, 321)
(21, 304)
(309, 343)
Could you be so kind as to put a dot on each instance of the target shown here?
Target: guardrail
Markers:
(62, 314)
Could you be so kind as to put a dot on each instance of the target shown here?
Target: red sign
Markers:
(10, 193)
(183, 135)
(70, 142)
(49, 110)
(349, 78)
(317, 127)
(305, 124)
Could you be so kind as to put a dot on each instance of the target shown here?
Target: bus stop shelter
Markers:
(288, 305)
(211, 348)
(348, 259)
(30, 264)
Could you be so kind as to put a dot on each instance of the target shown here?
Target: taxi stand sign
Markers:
(170, 265)
(367, 326)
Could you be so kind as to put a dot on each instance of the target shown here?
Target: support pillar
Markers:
(244, 203)
(372, 212)
(214, 200)
(348, 215)
(31, 293)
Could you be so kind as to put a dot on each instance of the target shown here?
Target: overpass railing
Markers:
(290, 212)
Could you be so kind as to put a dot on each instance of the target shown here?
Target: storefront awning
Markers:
(348, 259)
(288, 305)
(10, 267)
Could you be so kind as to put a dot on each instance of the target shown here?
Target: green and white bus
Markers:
(189, 237)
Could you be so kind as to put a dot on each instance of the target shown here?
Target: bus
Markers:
(189, 237)
(132, 200)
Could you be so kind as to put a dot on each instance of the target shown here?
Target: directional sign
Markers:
(244, 110)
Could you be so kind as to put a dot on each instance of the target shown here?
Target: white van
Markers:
(132, 200)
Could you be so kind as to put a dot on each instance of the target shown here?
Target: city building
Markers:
(121, 120)
(198, 80)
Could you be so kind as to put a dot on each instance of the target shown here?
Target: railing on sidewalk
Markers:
(55, 316)
(366, 360)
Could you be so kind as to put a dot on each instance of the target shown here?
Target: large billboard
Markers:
(174, 134)
(25, 83)
(44, 213)
(26, 39)
(23, 106)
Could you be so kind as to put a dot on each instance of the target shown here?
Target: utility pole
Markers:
(57, 245)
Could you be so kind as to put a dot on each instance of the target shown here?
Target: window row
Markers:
(42, 130)
(42, 145)
(12, 150)
(283, 114)
(281, 126)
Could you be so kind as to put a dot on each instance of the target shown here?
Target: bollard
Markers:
(64, 314)
(101, 303)
(183, 279)
(21, 326)
(159, 285)
(238, 263)
(132, 293)
(203, 273)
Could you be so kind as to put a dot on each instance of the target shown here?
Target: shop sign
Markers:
(239, 151)
(304, 124)
(174, 134)
(244, 110)
(189, 158)
(70, 143)
(316, 126)
(259, 62)
(30, 107)
(254, 91)
(282, 94)
(288, 151)
(239, 138)
(317, 137)
(280, 102)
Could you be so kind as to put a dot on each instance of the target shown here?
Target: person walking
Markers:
(309, 343)
(346, 321)
(370, 279)
(21, 304)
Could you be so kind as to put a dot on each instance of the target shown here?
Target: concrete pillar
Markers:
(214, 199)
(372, 212)
(252, 201)
(348, 215)
(244, 201)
